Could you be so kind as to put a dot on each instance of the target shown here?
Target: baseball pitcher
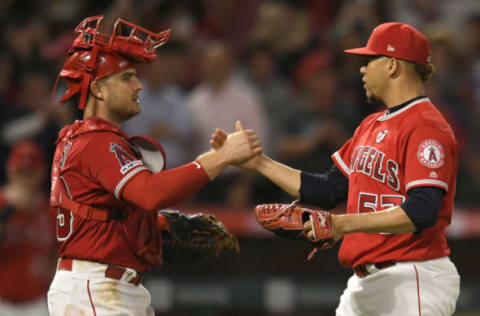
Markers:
(398, 175)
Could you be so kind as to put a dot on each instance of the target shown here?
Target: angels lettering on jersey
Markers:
(127, 162)
(371, 162)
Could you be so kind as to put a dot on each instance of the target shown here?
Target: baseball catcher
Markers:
(290, 220)
(108, 187)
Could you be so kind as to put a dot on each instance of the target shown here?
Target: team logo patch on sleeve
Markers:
(431, 154)
(127, 162)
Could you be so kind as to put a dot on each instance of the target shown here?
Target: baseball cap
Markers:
(26, 155)
(398, 40)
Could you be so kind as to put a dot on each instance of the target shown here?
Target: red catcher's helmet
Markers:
(95, 55)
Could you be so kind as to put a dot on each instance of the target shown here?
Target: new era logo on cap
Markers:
(398, 40)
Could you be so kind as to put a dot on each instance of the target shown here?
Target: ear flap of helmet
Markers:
(67, 85)
(66, 88)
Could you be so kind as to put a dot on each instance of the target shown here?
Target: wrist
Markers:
(213, 163)
(339, 223)
(262, 165)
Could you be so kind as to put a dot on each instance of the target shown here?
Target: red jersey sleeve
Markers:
(109, 159)
(430, 159)
(343, 157)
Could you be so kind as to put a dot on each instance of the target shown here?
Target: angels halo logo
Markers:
(431, 154)
(381, 136)
(127, 162)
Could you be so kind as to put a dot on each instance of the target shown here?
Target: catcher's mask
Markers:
(95, 55)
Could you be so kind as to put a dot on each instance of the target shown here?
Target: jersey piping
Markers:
(427, 181)
(125, 179)
(342, 164)
(389, 116)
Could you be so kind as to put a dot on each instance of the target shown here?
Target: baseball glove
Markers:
(287, 220)
(191, 239)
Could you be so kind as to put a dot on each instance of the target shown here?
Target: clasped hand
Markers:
(239, 146)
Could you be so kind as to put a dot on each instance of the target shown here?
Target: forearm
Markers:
(393, 220)
(285, 177)
(155, 191)
(212, 163)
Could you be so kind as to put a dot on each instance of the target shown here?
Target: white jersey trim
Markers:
(389, 116)
(125, 179)
(342, 164)
(427, 181)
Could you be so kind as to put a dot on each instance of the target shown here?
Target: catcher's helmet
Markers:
(95, 55)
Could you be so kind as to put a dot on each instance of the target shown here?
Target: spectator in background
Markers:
(415, 12)
(274, 90)
(7, 92)
(323, 121)
(218, 101)
(285, 29)
(279, 104)
(24, 36)
(34, 116)
(27, 234)
(473, 54)
(228, 21)
(164, 114)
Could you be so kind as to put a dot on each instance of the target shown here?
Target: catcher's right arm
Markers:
(287, 220)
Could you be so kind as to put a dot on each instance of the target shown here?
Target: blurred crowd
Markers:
(276, 65)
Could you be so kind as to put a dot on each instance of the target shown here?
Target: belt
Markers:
(112, 272)
(369, 268)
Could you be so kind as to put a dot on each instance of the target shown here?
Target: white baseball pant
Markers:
(416, 288)
(86, 291)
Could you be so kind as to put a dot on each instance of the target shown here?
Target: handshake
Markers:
(243, 149)
(239, 148)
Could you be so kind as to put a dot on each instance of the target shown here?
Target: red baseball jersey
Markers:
(388, 155)
(27, 249)
(93, 163)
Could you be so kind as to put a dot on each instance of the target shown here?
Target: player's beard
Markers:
(373, 100)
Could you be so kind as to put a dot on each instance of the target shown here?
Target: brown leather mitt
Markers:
(287, 220)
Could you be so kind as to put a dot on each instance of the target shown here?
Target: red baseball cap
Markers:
(398, 40)
(26, 155)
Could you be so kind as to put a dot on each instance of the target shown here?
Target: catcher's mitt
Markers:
(287, 220)
(190, 239)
